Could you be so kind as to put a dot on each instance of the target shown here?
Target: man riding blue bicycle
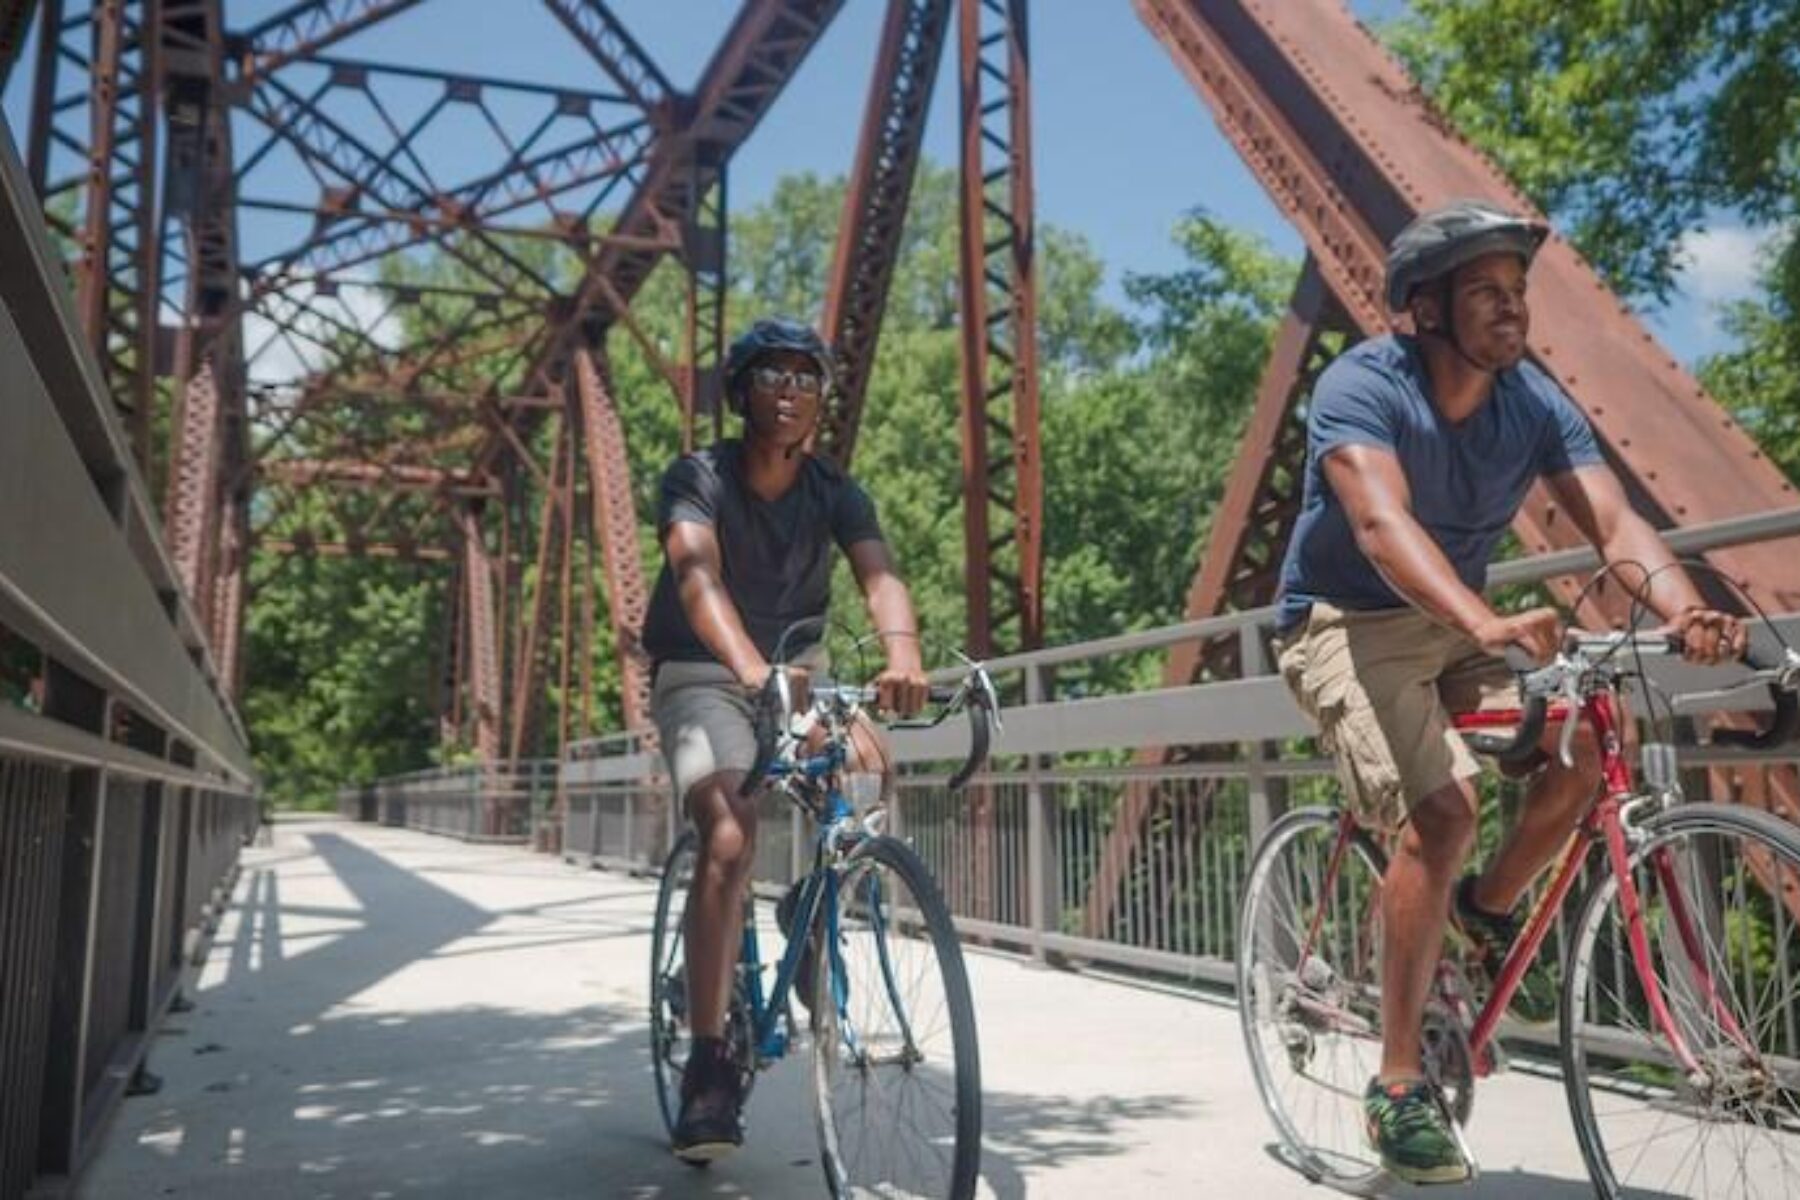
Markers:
(747, 528)
(1420, 450)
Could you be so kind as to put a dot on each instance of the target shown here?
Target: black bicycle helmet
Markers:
(769, 334)
(1442, 239)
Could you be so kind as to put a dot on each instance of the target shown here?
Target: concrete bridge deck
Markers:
(387, 1014)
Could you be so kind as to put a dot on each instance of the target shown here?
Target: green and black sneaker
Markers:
(1490, 936)
(1408, 1129)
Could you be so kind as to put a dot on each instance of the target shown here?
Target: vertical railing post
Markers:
(1040, 878)
(629, 851)
(71, 699)
(1267, 793)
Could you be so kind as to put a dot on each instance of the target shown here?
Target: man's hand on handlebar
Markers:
(1536, 631)
(1709, 636)
(798, 679)
(902, 688)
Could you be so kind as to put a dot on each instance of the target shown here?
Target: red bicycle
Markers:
(1679, 1030)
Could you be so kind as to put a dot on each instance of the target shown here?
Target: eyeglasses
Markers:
(769, 379)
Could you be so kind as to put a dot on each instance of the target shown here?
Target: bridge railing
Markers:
(126, 789)
(474, 803)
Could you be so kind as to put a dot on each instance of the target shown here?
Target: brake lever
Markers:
(1787, 675)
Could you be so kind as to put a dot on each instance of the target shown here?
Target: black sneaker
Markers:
(711, 1123)
(806, 966)
(1490, 936)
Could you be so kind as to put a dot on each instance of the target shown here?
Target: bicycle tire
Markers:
(668, 1000)
(843, 1073)
(1275, 997)
(1621, 1081)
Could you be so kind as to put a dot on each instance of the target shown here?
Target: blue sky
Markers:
(1123, 144)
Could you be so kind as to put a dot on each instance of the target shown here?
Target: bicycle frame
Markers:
(1602, 824)
(821, 886)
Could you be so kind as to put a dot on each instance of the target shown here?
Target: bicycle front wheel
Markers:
(670, 1036)
(896, 1072)
(1718, 891)
(1309, 989)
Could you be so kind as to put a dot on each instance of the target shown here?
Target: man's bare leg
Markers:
(1415, 908)
(1553, 807)
(715, 908)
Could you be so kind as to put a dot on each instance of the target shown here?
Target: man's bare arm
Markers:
(1371, 485)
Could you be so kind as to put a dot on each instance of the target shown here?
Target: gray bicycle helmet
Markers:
(1442, 239)
(768, 334)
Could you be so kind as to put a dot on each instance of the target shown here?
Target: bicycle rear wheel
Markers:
(670, 1037)
(1719, 892)
(896, 1071)
(1309, 995)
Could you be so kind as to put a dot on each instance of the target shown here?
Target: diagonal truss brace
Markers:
(874, 216)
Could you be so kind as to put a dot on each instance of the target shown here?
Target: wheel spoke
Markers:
(897, 1113)
(1718, 935)
(1306, 978)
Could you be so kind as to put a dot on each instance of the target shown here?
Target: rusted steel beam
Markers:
(874, 215)
(449, 697)
(303, 29)
(321, 140)
(229, 588)
(191, 509)
(703, 254)
(463, 86)
(619, 54)
(307, 548)
(358, 236)
(615, 522)
(555, 506)
(95, 253)
(1003, 482)
(566, 630)
(387, 476)
(1347, 145)
(484, 636)
(210, 419)
(117, 255)
(766, 44)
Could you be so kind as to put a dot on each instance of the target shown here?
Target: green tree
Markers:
(1635, 123)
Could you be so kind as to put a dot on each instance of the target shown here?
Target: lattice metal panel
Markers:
(115, 926)
(168, 928)
(32, 799)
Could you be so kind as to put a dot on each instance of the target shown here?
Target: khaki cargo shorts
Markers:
(705, 718)
(1382, 687)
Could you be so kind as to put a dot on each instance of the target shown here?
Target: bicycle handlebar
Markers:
(775, 711)
(1779, 668)
(1781, 727)
(1518, 749)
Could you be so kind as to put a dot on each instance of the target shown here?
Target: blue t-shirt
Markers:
(1467, 481)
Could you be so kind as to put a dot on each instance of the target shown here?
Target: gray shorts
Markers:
(705, 719)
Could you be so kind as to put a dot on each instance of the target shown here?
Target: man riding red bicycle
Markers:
(1420, 450)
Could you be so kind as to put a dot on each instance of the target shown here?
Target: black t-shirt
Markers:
(776, 553)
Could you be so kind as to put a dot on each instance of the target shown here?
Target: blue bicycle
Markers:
(871, 955)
